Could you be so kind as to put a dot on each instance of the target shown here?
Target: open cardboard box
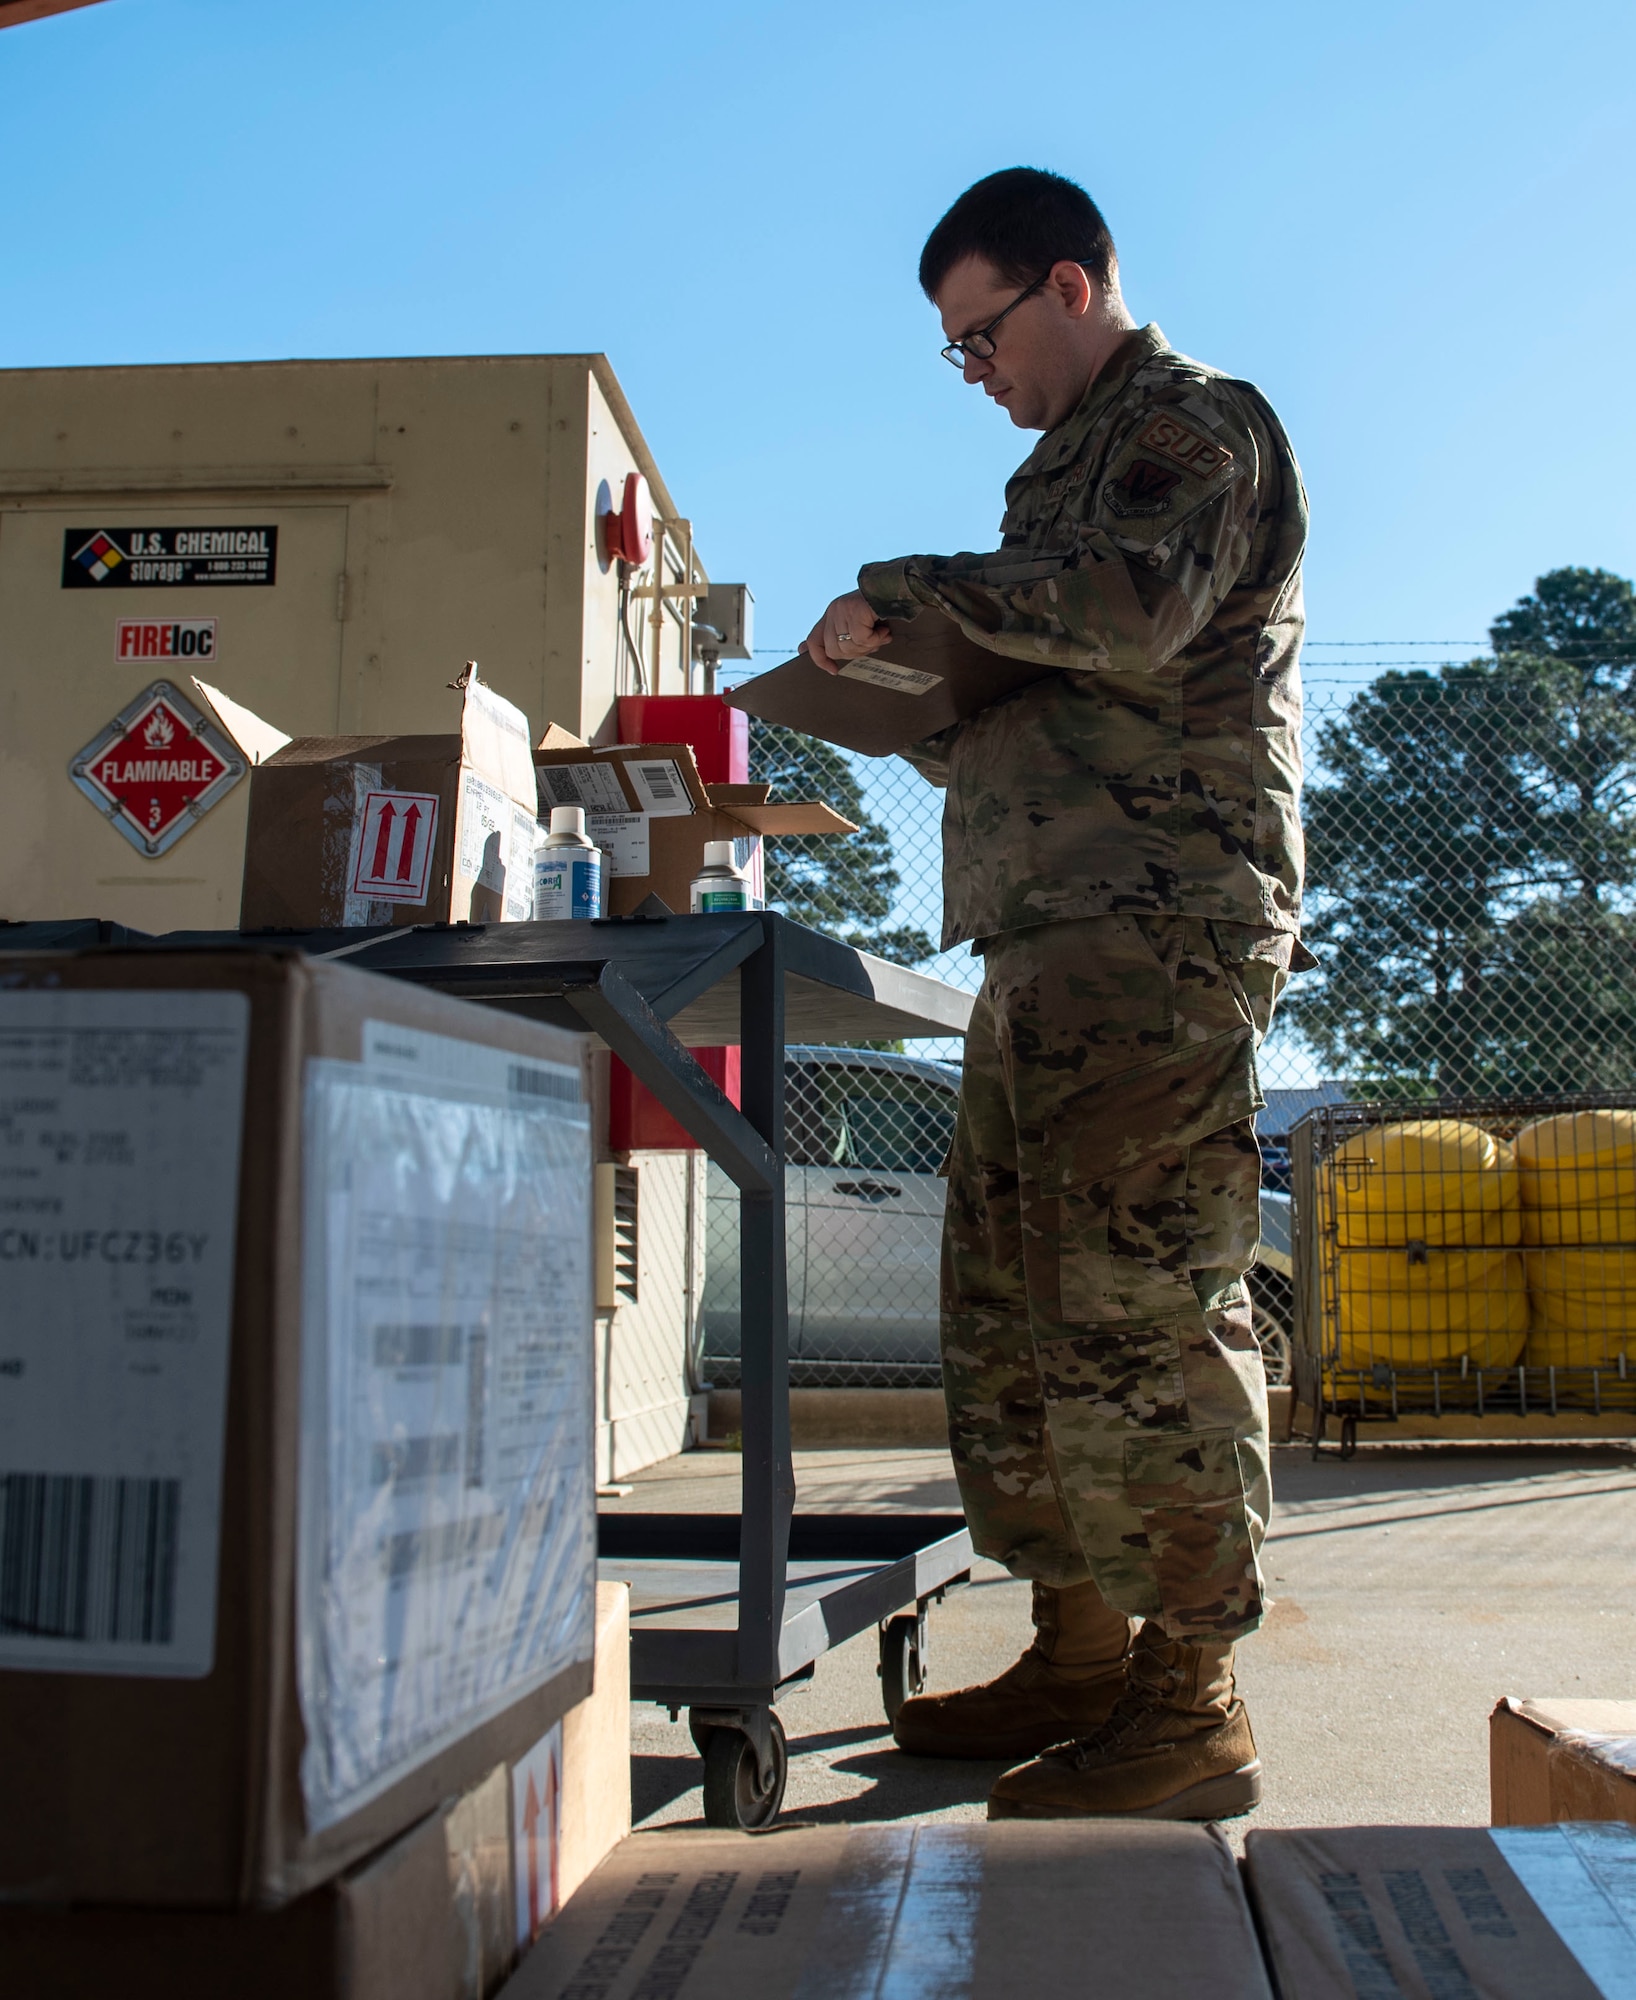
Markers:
(651, 813)
(348, 830)
(1565, 1758)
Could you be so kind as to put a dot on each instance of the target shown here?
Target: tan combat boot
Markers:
(1176, 1746)
(1064, 1685)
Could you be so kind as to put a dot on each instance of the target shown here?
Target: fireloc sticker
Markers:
(153, 558)
(165, 639)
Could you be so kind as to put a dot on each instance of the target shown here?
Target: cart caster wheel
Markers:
(902, 1662)
(1349, 1436)
(732, 1786)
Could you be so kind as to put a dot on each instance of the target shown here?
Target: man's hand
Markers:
(848, 630)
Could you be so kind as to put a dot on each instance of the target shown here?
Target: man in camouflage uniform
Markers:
(1121, 844)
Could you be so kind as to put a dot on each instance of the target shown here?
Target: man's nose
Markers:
(976, 371)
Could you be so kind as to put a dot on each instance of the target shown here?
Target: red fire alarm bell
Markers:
(628, 534)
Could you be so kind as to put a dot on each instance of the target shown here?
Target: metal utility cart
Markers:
(727, 1610)
(1354, 1366)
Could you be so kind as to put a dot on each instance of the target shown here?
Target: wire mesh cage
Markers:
(1466, 1257)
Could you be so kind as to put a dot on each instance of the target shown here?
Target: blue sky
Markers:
(1410, 224)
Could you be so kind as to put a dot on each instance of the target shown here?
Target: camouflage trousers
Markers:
(1107, 1405)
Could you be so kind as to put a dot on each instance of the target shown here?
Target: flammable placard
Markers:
(157, 768)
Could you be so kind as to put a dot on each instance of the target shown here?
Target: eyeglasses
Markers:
(978, 345)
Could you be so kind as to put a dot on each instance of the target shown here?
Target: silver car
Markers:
(865, 1133)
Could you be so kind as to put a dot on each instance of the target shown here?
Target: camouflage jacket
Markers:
(1152, 544)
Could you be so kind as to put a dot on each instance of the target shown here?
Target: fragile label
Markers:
(536, 1827)
(136, 558)
(394, 855)
(623, 838)
(120, 1118)
(165, 639)
(596, 787)
(660, 787)
(882, 673)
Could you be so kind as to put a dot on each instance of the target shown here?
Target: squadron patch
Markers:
(1189, 449)
(1142, 488)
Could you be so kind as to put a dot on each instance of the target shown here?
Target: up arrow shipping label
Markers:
(395, 846)
(157, 768)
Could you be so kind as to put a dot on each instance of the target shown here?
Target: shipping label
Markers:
(660, 787)
(496, 841)
(623, 838)
(596, 787)
(120, 1123)
(882, 673)
(167, 558)
(447, 1532)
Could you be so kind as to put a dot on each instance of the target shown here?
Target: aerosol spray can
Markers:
(719, 885)
(567, 869)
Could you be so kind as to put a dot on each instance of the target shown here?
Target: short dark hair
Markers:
(1022, 220)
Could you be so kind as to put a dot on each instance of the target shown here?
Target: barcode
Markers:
(544, 1083)
(87, 1559)
(562, 788)
(659, 781)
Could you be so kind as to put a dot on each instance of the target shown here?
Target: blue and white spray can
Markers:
(567, 869)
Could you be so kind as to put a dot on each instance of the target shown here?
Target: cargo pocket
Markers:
(1116, 1379)
(1188, 1489)
(1123, 1246)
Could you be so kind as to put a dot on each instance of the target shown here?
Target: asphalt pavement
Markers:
(1411, 1587)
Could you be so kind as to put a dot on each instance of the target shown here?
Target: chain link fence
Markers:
(1471, 851)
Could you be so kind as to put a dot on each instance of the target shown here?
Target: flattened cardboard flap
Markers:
(1429, 1911)
(494, 742)
(985, 1912)
(257, 739)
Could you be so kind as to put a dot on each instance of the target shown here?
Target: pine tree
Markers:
(842, 883)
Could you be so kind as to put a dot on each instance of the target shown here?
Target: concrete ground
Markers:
(1411, 1587)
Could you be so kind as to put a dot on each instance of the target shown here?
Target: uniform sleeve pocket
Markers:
(1189, 1490)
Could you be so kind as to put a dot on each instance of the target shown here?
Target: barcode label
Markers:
(660, 787)
(560, 1085)
(596, 787)
(88, 1560)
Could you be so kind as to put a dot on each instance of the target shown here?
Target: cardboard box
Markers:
(299, 1531)
(651, 813)
(1427, 1912)
(1562, 1760)
(987, 1912)
(571, 1794)
(427, 1918)
(439, 1914)
(353, 830)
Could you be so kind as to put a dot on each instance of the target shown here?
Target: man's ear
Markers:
(1074, 287)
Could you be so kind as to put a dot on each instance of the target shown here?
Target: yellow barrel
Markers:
(1432, 1308)
(1584, 1305)
(1578, 1173)
(1578, 1178)
(1439, 1181)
